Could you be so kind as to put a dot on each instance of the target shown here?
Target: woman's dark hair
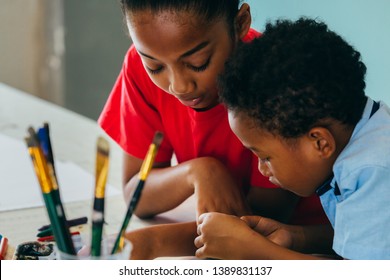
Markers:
(208, 10)
(297, 75)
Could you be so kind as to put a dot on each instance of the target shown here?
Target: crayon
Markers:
(51, 237)
(3, 247)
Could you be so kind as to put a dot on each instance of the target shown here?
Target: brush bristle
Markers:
(29, 142)
(158, 137)
(103, 146)
(33, 139)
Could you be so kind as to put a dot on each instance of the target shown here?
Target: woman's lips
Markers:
(191, 102)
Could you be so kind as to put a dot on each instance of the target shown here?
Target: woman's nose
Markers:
(181, 85)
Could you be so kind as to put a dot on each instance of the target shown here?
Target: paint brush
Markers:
(143, 174)
(48, 182)
(101, 172)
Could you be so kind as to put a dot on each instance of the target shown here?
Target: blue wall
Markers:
(365, 24)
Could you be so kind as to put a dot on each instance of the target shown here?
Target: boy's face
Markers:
(181, 54)
(293, 165)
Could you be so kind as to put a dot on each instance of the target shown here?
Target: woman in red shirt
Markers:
(168, 83)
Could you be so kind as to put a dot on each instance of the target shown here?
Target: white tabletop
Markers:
(73, 139)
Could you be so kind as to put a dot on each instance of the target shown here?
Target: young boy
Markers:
(301, 108)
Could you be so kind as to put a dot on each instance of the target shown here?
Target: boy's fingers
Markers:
(198, 242)
(201, 218)
(198, 229)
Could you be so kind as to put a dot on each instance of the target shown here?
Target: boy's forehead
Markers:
(246, 128)
(242, 119)
(250, 132)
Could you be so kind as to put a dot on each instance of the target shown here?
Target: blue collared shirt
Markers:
(358, 205)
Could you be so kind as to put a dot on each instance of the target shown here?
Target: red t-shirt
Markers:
(137, 108)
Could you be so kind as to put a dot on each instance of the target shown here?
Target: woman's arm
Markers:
(168, 240)
(165, 188)
(168, 186)
(221, 236)
(312, 239)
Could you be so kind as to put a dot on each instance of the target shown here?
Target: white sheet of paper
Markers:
(19, 187)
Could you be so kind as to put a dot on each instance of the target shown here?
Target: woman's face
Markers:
(181, 54)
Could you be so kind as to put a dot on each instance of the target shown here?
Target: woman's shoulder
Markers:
(132, 57)
(251, 35)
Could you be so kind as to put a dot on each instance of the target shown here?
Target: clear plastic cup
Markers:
(106, 248)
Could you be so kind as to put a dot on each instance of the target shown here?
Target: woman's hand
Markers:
(215, 188)
(275, 231)
(312, 239)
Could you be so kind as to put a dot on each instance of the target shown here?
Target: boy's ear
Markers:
(322, 141)
(243, 21)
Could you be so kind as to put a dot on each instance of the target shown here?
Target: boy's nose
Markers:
(264, 169)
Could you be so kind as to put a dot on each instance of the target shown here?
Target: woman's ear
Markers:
(322, 141)
(243, 21)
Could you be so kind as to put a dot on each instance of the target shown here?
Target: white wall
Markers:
(65, 51)
(365, 24)
(31, 47)
(19, 45)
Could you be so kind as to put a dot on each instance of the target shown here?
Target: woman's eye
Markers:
(200, 68)
(155, 71)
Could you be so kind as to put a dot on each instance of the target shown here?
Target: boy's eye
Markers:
(200, 68)
(264, 160)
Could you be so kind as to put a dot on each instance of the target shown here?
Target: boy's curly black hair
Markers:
(297, 75)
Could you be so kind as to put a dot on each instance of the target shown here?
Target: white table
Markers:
(74, 139)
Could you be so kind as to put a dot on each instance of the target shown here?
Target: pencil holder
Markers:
(106, 247)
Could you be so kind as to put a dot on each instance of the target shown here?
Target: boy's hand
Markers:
(224, 236)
